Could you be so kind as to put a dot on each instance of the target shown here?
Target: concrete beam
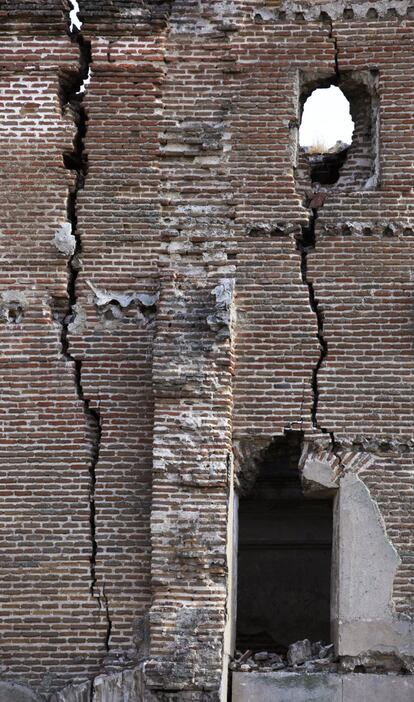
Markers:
(321, 687)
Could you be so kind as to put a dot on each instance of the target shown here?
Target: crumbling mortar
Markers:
(78, 163)
(379, 446)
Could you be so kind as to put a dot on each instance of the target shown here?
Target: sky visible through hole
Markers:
(75, 22)
(73, 14)
(326, 119)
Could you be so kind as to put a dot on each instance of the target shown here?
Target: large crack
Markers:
(305, 244)
(336, 49)
(72, 93)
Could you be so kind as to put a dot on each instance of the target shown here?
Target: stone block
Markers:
(12, 692)
(73, 693)
(299, 652)
(381, 688)
(286, 687)
(321, 687)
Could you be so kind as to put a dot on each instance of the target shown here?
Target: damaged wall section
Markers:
(284, 556)
(45, 447)
(353, 166)
(113, 329)
(191, 479)
(190, 209)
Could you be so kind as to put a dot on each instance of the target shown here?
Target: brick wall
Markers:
(187, 180)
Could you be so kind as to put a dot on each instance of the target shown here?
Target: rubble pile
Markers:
(301, 655)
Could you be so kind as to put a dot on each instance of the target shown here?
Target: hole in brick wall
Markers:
(326, 120)
(339, 132)
(14, 313)
(284, 556)
(326, 133)
(73, 15)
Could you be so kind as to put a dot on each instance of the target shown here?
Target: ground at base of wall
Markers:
(321, 687)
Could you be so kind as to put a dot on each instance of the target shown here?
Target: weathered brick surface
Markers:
(118, 217)
(189, 157)
(46, 607)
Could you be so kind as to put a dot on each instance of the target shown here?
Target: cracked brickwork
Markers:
(172, 297)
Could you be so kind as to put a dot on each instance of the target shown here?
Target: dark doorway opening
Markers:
(284, 555)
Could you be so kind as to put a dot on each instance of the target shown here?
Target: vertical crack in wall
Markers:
(336, 446)
(305, 244)
(108, 632)
(336, 50)
(72, 91)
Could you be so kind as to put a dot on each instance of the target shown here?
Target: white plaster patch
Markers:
(77, 325)
(64, 240)
(103, 297)
(367, 564)
(223, 317)
(318, 475)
